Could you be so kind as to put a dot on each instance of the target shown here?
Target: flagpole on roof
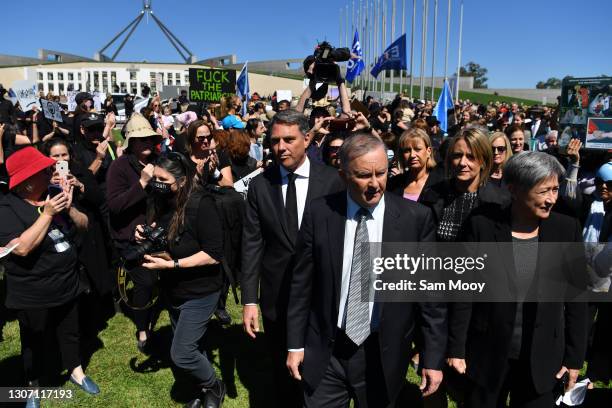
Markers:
(412, 44)
(459, 59)
(392, 39)
(403, 32)
(433, 53)
(423, 51)
(347, 34)
(448, 20)
(384, 41)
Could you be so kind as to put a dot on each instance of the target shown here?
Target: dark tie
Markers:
(291, 211)
(357, 310)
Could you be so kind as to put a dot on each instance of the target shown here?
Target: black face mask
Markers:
(157, 187)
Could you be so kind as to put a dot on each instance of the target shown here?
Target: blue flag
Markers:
(242, 87)
(355, 65)
(445, 102)
(394, 57)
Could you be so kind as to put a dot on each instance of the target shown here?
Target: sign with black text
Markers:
(52, 110)
(211, 85)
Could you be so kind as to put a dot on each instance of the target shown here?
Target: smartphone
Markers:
(336, 125)
(62, 169)
(54, 190)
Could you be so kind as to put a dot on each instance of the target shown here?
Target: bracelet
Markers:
(176, 264)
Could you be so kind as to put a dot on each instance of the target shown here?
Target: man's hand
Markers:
(573, 377)
(458, 364)
(294, 360)
(250, 319)
(430, 381)
(573, 150)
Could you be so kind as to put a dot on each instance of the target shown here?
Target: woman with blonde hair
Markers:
(502, 151)
(468, 165)
(416, 158)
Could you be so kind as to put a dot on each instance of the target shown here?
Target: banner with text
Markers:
(211, 85)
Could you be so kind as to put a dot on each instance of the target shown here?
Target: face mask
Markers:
(157, 187)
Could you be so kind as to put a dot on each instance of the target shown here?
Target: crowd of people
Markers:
(158, 203)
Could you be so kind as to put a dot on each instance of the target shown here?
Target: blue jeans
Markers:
(189, 323)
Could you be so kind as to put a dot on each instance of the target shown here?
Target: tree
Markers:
(475, 70)
(551, 83)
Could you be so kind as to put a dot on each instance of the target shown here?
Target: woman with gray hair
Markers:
(524, 348)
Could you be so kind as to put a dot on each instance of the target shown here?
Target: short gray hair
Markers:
(527, 169)
(357, 145)
(290, 117)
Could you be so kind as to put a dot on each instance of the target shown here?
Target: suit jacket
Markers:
(315, 292)
(554, 334)
(267, 250)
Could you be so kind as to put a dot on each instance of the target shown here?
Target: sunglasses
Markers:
(500, 149)
(600, 183)
(202, 138)
(333, 149)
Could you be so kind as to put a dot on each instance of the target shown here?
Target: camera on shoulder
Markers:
(325, 57)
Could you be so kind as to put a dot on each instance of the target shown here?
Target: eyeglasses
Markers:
(500, 149)
(202, 138)
(600, 183)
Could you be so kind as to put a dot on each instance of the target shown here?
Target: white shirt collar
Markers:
(377, 212)
(302, 171)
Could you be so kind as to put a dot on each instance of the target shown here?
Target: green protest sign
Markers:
(211, 85)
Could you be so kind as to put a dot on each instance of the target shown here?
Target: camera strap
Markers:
(122, 280)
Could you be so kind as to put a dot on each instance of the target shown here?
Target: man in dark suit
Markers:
(340, 346)
(275, 205)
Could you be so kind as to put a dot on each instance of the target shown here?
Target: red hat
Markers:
(25, 163)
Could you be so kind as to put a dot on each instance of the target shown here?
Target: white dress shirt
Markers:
(375, 231)
(301, 186)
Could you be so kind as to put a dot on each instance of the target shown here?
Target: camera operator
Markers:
(312, 91)
(39, 223)
(128, 176)
(190, 272)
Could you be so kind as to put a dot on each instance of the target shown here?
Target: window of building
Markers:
(132, 75)
(51, 87)
(41, 86)
(40, 76)
(79, 76)
(60, 76)
(186, 79)
(70, 76)
(49, 76)
(61, 87)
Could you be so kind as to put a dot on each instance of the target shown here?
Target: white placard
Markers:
(26, 94)
(97, 98)
(72, 105)
(242, 185)
(283, 95)
(52, 110)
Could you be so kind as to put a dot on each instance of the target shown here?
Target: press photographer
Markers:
(322, 69)
(191, 278)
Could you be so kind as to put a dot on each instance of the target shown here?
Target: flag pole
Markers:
(423, 51)
(403, 32)
(433, 53)
(384, 41)
(412, 45)
(448, 20)
(347, 34)
(459, 59)
(392, 39)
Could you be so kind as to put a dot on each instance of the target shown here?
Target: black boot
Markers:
(196, 403)
(213, 396)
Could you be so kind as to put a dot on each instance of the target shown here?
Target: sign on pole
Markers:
(72, 105)
(26, 94)
(51, 110)
(211, 85)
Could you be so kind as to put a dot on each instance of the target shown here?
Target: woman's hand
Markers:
(361, 122)
(101, 150)
(55, 205)
(573, 150)
(138, 234)
(320, 126)
(73, 181)
(153, 262)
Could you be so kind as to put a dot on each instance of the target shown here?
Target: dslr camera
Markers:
(325, 56)
(154, 241)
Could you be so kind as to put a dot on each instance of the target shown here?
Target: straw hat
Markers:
(138, 126)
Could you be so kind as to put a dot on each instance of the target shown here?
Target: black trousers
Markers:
(518, 383)
(144, 282)
(36, 324)
(353, 373)
(288, 392)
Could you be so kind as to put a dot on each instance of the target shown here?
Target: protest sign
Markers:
(159, 84)
(599, 133)
(172, 91)
(51, 110)
(72, 105)
(97, 98)
(283, 95)
(242, 185)
(583, 99)
(26, 94)
(211, 85)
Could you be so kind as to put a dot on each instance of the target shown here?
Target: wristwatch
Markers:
(176, 264)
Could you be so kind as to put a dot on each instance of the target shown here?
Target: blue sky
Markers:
(520, 42)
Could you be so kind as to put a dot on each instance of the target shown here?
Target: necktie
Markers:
(291, 207)
(358, 311)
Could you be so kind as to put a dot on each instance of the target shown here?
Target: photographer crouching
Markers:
(38, 225)
(191, 278)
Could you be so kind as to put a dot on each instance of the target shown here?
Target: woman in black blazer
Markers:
(523, 348)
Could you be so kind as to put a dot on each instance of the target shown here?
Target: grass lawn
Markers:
(130, 379)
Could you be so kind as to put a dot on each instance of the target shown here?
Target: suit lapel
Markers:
(335, 233)
(278, 205)
(313, 184)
